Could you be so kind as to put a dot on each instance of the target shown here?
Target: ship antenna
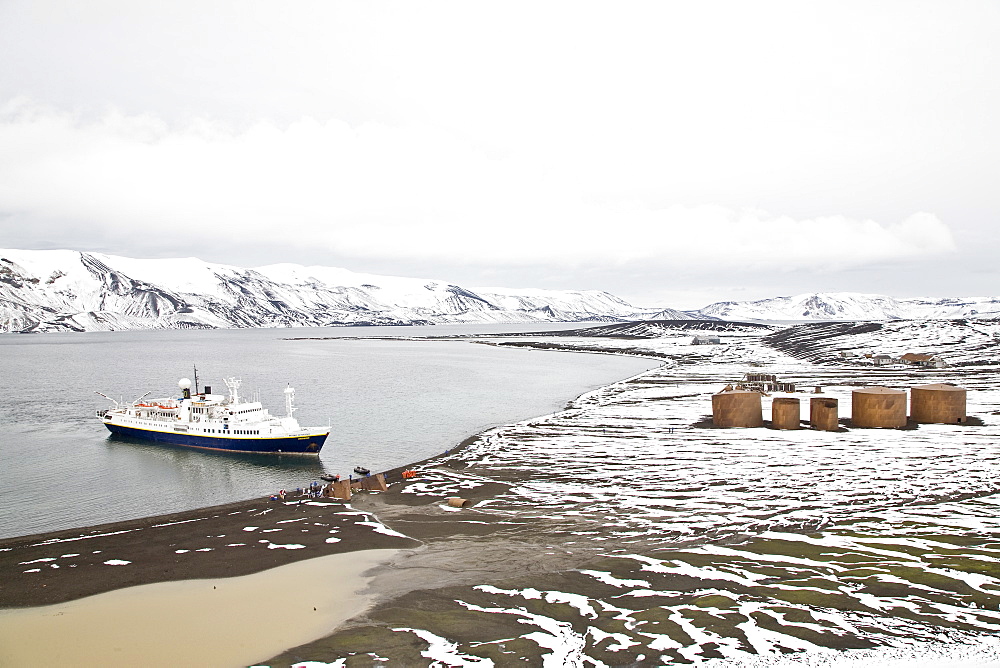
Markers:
(108, 398)
(195, 378)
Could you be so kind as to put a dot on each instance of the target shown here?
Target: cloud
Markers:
(375, 190)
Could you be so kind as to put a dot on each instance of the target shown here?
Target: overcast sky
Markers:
(672, 153)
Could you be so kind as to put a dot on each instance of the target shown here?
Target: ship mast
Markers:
(195, 378)
(234, 389)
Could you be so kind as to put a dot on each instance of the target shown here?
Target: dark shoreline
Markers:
(195, 544)
(150, 545)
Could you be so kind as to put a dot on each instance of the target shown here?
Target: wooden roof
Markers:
(917, 357)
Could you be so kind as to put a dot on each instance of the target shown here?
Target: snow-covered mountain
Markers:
(66, 290)
(969, 307)
(852, 306)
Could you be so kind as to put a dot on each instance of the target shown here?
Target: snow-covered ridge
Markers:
(65, 290)
(853, 306)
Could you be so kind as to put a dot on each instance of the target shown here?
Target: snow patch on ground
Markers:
(750, 543)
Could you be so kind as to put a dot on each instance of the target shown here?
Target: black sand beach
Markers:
(222, 541)
(234, 540)
(228, 540)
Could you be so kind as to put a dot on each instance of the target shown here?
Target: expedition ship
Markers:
(214, 422)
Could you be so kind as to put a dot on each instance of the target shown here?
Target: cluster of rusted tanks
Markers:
(871, 407)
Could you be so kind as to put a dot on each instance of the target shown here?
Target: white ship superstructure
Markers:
(215, 421)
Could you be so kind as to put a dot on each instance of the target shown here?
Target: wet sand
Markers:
(214, 622)
(223, 541)
(238, 582)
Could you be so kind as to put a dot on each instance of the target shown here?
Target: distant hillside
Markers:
(958, 342)
(65, 290)
(852, 306)
(648, 329)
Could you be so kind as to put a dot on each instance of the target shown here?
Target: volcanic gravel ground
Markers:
(620, 532)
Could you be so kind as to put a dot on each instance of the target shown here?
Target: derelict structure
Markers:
(872, 407)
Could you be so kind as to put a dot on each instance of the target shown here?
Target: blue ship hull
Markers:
(301, 445)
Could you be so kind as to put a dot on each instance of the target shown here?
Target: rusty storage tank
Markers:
(785, 413)
(937, 403)
(738, 408)
(881, 407)
(823, 414)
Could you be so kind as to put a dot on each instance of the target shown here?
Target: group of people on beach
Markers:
(316, 489)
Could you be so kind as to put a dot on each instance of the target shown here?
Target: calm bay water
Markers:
(389, 403)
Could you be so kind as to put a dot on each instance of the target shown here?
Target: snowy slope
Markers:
(672, 314)
(852, 306)
(74, 291)
(967, 307)
(961, 342)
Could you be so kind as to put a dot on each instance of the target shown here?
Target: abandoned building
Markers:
(921, 359)
(764, 382)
